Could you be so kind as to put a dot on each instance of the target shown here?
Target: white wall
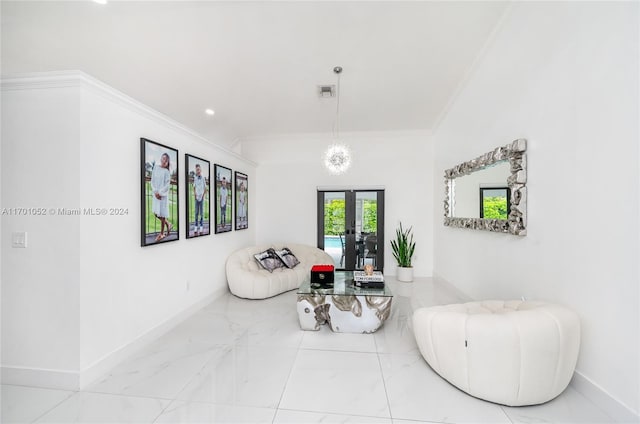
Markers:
(290, 170)
(41, 284)
(107, 291)
(563, 75)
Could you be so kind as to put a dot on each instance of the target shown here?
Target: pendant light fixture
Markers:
(337, 157)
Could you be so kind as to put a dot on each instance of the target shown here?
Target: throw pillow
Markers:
(287, 257)
(269, 260)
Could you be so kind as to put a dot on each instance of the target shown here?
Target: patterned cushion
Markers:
(269, 260)
(287, 257)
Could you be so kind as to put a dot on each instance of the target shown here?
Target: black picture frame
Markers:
(241, 187)
(197, 180)
(493, 192)
(159, 193)
(223, 199)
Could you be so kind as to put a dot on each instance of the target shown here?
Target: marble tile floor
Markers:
(242, 361)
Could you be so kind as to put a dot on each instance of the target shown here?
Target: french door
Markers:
(351, 227)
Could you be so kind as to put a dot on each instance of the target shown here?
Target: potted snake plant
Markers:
(403, 247)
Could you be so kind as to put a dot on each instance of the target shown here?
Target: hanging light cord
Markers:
(336, 126)
(338, 108)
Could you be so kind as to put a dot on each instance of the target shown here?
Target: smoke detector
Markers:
(326, 91)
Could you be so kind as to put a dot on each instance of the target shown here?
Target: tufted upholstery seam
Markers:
(558, 353)
(466, 350)
(519, 358)
(431, 345)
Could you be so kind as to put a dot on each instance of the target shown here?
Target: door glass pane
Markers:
(334, 226)
(366, 228)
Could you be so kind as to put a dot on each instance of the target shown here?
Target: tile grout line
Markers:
(172, 401)
(284, 389)
(506, 414)
(73, 393)
(384, 383)
(340, 414)
(136, 396)
(93, 392)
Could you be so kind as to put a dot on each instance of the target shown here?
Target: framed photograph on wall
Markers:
(224, 199)
(159, 193)
(197, 178)
(242, 201)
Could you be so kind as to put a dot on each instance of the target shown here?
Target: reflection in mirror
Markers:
(494, 202)
(467, 202)
(489, 192)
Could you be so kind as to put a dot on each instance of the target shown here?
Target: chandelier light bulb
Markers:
(337, 159)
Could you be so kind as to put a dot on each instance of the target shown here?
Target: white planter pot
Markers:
(404, 274)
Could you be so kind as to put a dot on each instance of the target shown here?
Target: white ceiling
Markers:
(257, 64)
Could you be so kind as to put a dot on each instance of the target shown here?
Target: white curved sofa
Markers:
(247, 279)
(509, 352)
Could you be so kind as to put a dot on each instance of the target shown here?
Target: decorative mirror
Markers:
(489, 192)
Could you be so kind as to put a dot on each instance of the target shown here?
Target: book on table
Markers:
(369, 284)
(375, 281)
(377, 277)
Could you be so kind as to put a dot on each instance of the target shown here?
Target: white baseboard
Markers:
(437, 279)
(41, 377)
(603, 400)
(77, 380)
(103, 365)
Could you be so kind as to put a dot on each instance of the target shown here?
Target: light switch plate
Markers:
(19, 239)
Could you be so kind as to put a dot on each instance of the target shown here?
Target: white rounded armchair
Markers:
(247, 279)
(509, 352)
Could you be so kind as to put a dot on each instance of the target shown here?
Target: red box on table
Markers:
(322, 274)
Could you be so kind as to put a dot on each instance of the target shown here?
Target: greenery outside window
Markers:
(495, 202)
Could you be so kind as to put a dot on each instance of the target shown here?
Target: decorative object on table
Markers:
(197, 178)
(337, 157)
(362, 279)
(403, 248)
(368, 269)
(224, 198)
(242, 201)
(159, 193)
(322, 276)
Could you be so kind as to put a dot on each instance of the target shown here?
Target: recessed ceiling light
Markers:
(209, 112)
(100, 1)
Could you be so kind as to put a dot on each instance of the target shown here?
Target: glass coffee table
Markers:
(344, 307)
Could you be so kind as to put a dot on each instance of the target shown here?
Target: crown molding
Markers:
(43, 80)
(66, 79)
